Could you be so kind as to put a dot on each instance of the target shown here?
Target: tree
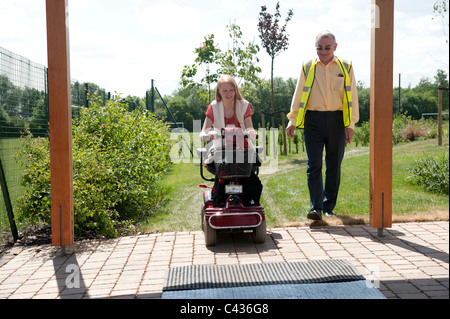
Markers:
(207, 54)
(441, 80)
(364, 102)
(260, 100)
(440, 7)
(274, 39)
(9, 96)
(239, 62)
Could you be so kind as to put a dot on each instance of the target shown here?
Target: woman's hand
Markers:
(206, 137)
(252, 135)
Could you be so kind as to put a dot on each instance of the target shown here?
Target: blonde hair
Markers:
(228, 79)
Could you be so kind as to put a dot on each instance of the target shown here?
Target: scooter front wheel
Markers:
(260, 233)
(209, 232)
(210, 235)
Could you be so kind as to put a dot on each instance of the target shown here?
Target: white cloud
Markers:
(122, 45)
(23, 29)
(419, 47)
(167, 18)
(236, 5)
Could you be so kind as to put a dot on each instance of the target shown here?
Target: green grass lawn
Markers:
(285, 195)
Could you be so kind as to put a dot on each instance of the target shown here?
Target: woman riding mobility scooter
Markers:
(233, 161)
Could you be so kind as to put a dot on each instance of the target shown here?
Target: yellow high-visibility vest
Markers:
(309, 69)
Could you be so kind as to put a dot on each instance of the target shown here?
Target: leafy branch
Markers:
(240, 62)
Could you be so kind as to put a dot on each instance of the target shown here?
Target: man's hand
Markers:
(290, 130)
(349, 135)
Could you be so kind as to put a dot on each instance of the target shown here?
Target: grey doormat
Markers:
(360, 289)
(284, 273)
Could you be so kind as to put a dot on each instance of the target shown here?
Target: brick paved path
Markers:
(411, 261)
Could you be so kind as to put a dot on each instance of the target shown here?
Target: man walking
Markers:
(325, 105)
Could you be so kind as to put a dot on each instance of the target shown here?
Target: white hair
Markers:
(325, 34)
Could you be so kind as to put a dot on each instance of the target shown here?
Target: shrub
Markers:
(399, 122)
(118, 157)
(362, 134)
(34, 154)
(405, 129)
(414, 130)
(431, 173)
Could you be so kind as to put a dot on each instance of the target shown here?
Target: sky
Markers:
(121, 45)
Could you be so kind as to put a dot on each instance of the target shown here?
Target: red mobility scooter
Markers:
(231, 160)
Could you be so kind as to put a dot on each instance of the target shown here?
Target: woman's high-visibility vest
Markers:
(309, 69)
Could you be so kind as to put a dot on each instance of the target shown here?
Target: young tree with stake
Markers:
(274, 38)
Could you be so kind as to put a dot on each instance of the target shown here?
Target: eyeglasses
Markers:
(327, 48)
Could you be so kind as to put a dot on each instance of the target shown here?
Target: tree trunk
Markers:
(271, 90)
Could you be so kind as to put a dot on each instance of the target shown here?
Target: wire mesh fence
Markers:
(23, 105)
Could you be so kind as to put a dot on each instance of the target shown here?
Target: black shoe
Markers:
(314, 214)
(329, 213)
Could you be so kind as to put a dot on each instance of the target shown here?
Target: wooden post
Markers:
(60, 118)
(381, 109)
(440, 116)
